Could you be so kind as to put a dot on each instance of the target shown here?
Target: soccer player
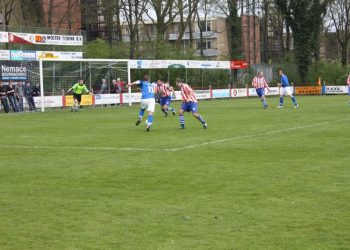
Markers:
(165, 91)
(189, 103)
(259, 83)
(348, 81)
(285, 90)
(78, 89)
(147, 100)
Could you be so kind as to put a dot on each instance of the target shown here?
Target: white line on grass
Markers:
(252, 135)
(171, 149)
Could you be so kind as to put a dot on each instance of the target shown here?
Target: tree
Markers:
(204, 9)
(32, 13)
(185, 9)
(7, 9)
(339, 20)
(164, 12)
(133, 11)
(230, 9)
(305, 20)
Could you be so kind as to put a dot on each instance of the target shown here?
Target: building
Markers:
(251, 39)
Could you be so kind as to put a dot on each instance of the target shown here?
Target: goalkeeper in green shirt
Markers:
(78, 89)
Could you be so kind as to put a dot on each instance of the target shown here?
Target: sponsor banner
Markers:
(4, 37)
(58, 40)
(28, 38)
(242, 92)
(85, 100)
(308, 90)
(135, 97)
(201, 94)
(21, 38)
(178, 64)
(107, 99)
(221, 93)
(273, 91)
(4, 55)
(49, 101)
(331, 90)
(252, 92)
(58, 55)
(23, 55)
(13, 71)
(239, 65)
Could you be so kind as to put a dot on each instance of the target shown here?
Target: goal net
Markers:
(100, 77)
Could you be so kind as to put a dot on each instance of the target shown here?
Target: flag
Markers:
(319, 81)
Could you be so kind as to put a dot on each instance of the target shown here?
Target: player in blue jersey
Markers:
(147, 100)
(285, 89)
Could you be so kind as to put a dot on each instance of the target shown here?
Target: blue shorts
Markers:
(165, 101)
(349, 90)
(260, 92)
(190, 107)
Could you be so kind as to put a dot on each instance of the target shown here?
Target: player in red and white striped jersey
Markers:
(165, 91)
(189, 103)
(260, 84)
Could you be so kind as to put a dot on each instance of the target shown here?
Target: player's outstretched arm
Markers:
(133, 83)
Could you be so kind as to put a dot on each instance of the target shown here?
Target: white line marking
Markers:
(171, 149)
(251, 136)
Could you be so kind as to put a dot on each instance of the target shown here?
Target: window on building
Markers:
(205, 25)
(207, 44)
(152, 29)
(208, 25)
(185, 44)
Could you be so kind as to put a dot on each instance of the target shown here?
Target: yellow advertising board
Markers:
(308, 90)
(85, 100)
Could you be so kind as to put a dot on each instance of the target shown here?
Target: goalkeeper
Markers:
(78, 89)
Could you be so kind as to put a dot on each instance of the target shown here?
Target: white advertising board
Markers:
(332, 90)
(107, 99)
(178, 64)
(49, 101)
(4, 55)
(4, 37)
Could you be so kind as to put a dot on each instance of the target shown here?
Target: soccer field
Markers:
(255, 179)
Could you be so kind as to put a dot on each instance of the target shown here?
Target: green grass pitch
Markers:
(255, 179)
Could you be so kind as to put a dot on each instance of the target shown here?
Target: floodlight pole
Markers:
(41, 85)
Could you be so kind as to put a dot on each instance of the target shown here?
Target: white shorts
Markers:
(285, 91)
(148, 104)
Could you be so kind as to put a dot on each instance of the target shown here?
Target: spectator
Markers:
(104, 87)
(36, 90)
(3, 97)
(120, 86)
(28, 93)
(11, 95)
(19, 95)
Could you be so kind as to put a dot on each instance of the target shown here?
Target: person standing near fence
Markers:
(11, 95)
(260, 84)
(28, 94)
(3, 97)
(285, 90)
(19, 95)
(78, 89)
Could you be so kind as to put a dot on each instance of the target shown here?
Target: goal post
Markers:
(58, 75)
